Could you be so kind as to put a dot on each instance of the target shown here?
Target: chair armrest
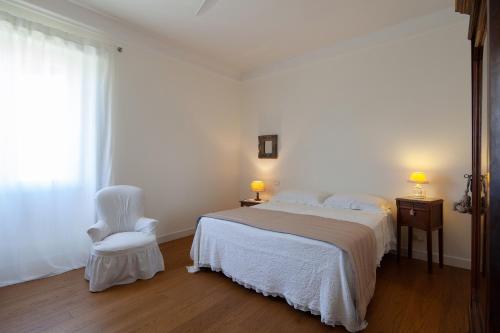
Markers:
(98, 231)
(146, 225)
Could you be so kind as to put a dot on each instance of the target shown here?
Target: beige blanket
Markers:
(356, 239)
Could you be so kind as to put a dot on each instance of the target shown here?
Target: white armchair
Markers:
(124, 246)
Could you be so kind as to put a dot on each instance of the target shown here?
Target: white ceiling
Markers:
(249, 34)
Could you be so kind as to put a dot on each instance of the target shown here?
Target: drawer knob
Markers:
(412, 212)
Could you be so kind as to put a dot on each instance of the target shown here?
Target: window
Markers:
(54, 146)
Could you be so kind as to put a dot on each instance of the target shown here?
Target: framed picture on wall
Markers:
(268, 146)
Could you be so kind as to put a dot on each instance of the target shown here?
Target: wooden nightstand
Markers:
(425, 214)
(250, 202)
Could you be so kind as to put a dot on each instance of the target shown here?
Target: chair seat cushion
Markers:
(122, 242)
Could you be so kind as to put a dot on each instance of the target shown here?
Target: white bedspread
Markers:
(311, 275)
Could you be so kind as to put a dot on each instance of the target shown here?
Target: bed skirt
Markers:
(295, 305)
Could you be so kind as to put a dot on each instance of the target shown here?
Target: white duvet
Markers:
(311, 275)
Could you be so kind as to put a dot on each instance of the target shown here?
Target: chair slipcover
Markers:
(124, 246)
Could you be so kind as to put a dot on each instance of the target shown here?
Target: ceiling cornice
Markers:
(125, 33)
(405, 29)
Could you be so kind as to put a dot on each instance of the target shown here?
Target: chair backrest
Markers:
(120, 207)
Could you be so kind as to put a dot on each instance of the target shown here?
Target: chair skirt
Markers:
(105, 270)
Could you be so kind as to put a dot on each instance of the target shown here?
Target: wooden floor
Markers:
(407, 299)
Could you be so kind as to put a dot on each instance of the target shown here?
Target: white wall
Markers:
(362, 121)
(177, 136)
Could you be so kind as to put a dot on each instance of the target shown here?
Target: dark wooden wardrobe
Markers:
(484, 34)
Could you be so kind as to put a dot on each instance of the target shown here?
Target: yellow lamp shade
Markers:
(258, 186)
(418, 178)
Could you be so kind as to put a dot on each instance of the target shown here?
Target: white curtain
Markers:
(54, 146)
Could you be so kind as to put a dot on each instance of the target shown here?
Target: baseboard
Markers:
(175, 235)
(448, 260)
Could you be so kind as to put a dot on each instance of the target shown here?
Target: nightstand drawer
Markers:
(414, 205)
(414, 217)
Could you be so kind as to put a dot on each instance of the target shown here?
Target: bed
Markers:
(310, 274)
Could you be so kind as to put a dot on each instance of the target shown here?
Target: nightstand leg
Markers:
(429, 251)
(399, 242)
(410, 242)
(440, 236)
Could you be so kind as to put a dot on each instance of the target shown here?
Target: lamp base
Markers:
(418, 192)
(257, 198)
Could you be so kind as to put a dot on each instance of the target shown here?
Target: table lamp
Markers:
(418, 178)
(257, 186)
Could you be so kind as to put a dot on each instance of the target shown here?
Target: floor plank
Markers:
(407, 299)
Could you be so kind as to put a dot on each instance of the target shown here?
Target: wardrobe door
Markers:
(493, 223)
(478, 280)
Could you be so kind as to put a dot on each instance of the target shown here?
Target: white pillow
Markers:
(364, 202)
(311, 198)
